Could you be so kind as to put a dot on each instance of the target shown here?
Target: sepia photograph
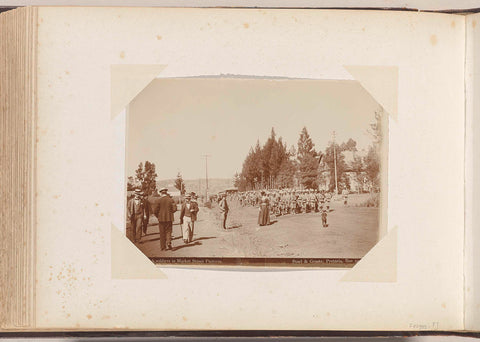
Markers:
(254, 172)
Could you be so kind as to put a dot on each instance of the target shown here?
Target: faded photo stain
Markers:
(433, 40)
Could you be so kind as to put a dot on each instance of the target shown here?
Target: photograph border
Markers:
(387, 73)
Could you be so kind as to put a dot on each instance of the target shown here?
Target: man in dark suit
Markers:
(147, 214)
(151, 203)
(223, 205)
(166, 208)
(188, 216)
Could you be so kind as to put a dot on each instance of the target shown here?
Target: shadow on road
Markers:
(205, 238)
(266, 225)
(150, 240)
(148, 234)
(174, 238)
(197, 243)
(234, 226)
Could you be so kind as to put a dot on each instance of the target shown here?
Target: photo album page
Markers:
(232, 169)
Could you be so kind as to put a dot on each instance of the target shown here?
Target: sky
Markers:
(174, 122)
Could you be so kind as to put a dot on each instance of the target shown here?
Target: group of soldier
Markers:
(286, 202)
(162, 206)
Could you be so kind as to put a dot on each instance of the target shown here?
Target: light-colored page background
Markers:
(472, 186)
(81, 158)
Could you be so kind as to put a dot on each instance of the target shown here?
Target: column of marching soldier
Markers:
(288, 201)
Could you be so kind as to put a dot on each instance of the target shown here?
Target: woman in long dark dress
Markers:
(264, 214)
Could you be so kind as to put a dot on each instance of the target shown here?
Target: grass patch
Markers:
(373, 201)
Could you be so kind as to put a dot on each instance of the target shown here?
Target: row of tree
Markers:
(146, 179)
(274, 166)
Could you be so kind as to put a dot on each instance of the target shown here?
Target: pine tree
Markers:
(277, 157)
(139, 174)
(372, 160)
(146, 177)
(149, 184)
(308, 170)
(305, 145)
(372, 165)
(266, 154)
(257, 165)
(130, 184)
(292, 152)
(307, 161)
(376, 128)
(236, 179)
(350, 145)
(285, 178)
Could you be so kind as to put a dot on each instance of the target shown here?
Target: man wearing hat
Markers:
(188, 216)
(194, 197)
(223, 205)
(137, 214)
(166, 208)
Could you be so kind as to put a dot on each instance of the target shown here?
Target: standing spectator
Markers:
(194, 200)
(316, 199)
(324, 217)
(223, 205)
(345, 196)
(188, 216)
(166, 208)
(137, 214)
(152, 203)
(328, 198)
(264, 210)
(147, 213)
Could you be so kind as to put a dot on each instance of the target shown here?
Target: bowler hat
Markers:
(163, 190)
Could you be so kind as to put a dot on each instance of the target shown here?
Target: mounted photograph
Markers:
(239, 171)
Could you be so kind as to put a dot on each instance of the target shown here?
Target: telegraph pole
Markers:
(206, 175)
(335, 163)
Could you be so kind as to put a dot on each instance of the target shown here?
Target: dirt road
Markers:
(351, 233)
